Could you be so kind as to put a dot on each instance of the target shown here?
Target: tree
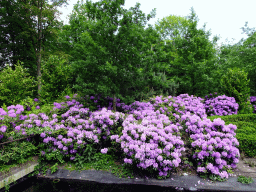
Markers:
(241, 55)
(29, 37)
(107, 52)
(192, 62)
(247, 59)
(235, 84)
(15, 41)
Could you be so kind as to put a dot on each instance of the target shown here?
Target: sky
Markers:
(223, 18)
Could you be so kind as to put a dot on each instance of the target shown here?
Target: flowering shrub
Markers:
(150, 134)
(211, 96)
(215, 145)
(221, 105)
(253, 102)
(150, 143)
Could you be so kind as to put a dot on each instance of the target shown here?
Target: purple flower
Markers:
(65, 148)
(12, 115)
(3, 112)
(3, 129)
(36, 100)
(60, 137)
(42, 135)
(105, 150)
(201, 169)
(67, 97)
(159, 158)
(128, 160)
(42, 152)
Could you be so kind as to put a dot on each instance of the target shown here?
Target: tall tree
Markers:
(33, 33)
(108, 51)
(241, 55)
(194, 55)
(15, 42)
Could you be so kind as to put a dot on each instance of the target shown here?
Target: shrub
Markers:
(221, 105)
(55, 78)
(235, 84)
(15, 85)
(247, 143)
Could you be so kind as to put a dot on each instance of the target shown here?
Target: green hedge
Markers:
(247, 143)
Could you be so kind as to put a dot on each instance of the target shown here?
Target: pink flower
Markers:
(105, 150)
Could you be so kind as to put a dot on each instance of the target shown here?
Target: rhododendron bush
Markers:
(151, 135)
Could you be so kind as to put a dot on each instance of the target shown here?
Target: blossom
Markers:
(36, 100)
(3, 129)
(159, 158)
(105, 150)
(67, 97)
(17, 128)
(201, 169)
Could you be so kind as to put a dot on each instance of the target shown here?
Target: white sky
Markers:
(223, 18)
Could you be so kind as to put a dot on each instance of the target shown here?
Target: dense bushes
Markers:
(56, 78)
(235, 84)
(15, 85)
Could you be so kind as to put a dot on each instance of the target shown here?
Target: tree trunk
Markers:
(114, 103)
(39, 50)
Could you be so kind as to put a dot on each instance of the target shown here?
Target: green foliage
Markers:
(19, 31)
(244, 180)
(247, 58)
(15, 85)
(56, 77)
(190, 54)
(240, 55)
(17, 152)
(235, 84)
(30, 106)
(109, 60)
(247, 143)
(17, 35)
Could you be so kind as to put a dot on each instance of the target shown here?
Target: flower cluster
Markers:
(214, 144)
(150, 136)
(150, 143)
(253, 102)
(11, 117)
(221, 105)
(82, 128)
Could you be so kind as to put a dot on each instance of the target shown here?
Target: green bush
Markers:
(235, 84)
(246, 130)
(15, 85)
(247, 143)
(56, 77)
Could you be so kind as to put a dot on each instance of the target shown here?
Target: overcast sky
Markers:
(223, 18)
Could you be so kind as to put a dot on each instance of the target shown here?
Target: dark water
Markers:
(34, 184)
